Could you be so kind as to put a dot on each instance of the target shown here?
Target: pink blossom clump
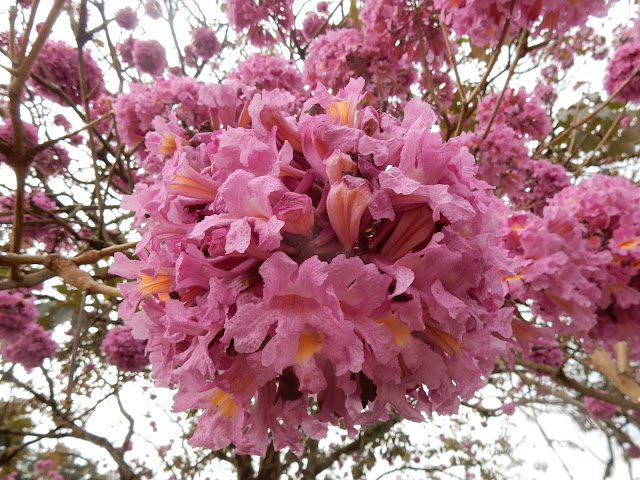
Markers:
(599, 409)
(149, 56)
(16, 312)
(49, 161)
(577, 263)
(57, 64)
(508, 408)
(296, 273)
(205, 43)
(522, 112)
(254, 17)
(312, 26)
(43, 464)
(625, 60)
(268, 72)
(153, 9)
(543, 180)
(407, 27)
(136, 113)
(124, 351)
(125, 49)
(483, 20)
(340, 54)
(547, 352)
(46, 469)
(503, 154)
(126, 18)
(31, 347)
(503, 158)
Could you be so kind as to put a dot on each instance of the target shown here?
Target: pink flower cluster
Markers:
(578, 263)
(23, 340)
(268, 72)
(296, 273)
(340, 54)
(503, 155)
(124, 351)
(45, 469)
(484, 20)
(126, 18)
(625, 59)
(255, 17)
(50, 161)
(599, 409)
(205, 42)
(406, 28)
(149, 56)
(135, 111)
(153, 9)
(58, 65)
(519, 110)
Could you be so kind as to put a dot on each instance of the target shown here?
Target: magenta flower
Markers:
(483, 21)
(153, 9)
(625, 59)
(580, 259)
(58, 64)
(254, 17)
(345, 259)
(126, 17)
(149, 56)
(30, 348)
(124, 351)
(205, 43)
(599, 409)
(268, 72)
(16, 312)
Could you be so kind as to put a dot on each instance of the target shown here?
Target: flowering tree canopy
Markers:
(314, 220)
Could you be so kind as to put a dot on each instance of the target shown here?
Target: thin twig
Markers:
(74, 348)
(602, 141)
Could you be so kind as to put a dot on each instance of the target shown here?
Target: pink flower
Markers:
(127, 18)
(125, 49)
(124, 351)
(483, 21)
(153, 9)
(277, 270)
(149, 56)
(247, 14)
(16, 312)
(579, 259)
(268, 72)
(60, 120)
(32, 346)
(58, 64)
(205, 43)
(625, 59)
(340, 54)
(599, 409)
(521, 111)
(508, 408)
(43, 464)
